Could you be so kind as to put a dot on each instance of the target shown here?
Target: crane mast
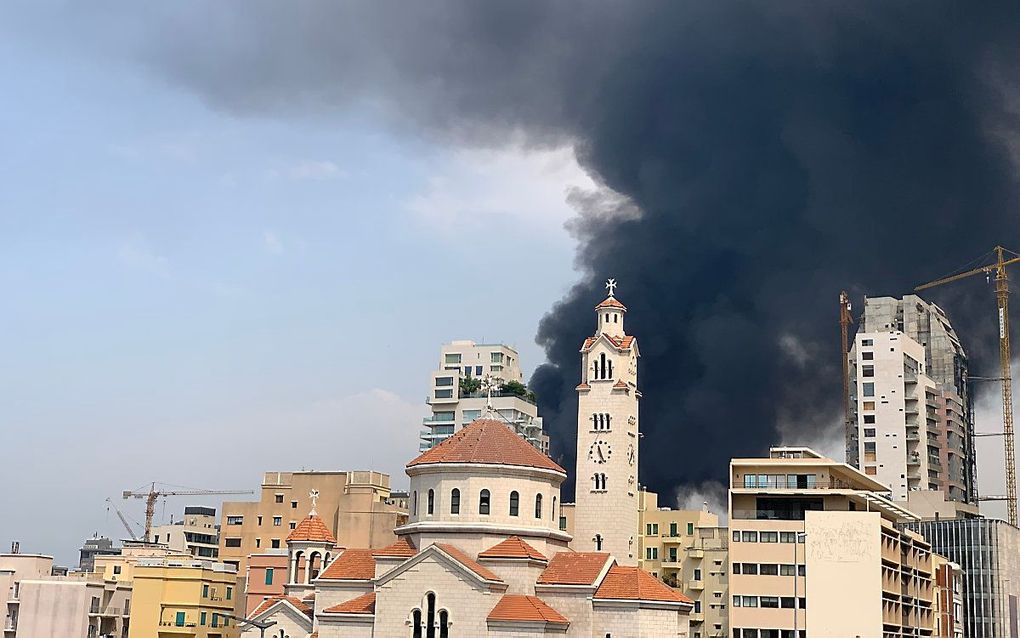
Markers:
(153, 494)
(998, 269)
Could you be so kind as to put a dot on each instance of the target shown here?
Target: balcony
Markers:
(695, 552)
(695, 585)
(697, 617)
(432, 420)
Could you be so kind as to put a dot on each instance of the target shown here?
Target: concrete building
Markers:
(481, 555)
(456, 397)
(687, 550)
(265, 578)
(196, 534)
(946, 364)
(948, 600)
(96, 546)
(182, 597)
(814, 544)
(16, 567)
(608, 436)
(988, 552)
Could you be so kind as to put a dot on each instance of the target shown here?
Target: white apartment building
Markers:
(898, 442)
(197, 533)
(456, 397)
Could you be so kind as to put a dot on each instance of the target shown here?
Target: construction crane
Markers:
(1003, 258)
(123, 519)
(153, 494)
(845, 319)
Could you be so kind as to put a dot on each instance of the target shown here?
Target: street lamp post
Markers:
(262, 626)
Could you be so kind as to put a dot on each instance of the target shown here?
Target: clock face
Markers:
(599, 452)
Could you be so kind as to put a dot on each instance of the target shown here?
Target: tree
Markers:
(516, 388)
(470, 385)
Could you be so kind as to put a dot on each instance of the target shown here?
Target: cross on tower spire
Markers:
(314, 495)
(611, 286)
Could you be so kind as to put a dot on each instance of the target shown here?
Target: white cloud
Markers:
(136, 253)
(272, 242)
(473, 186)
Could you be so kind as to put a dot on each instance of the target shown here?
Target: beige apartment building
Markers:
(456, 397)
(687, 549)
(812, 538)
(196, 534)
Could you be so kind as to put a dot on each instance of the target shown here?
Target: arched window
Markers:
(430, 616)
(432, 502)
(599, 481)
(414, 497)
(455, 501)
(515, 503)
(444, 624)
(598, 542)
(610, 374)
(553, 509)
(602, 366)
(538, 506)
(483, 502)
(416, 621)
(607, 317)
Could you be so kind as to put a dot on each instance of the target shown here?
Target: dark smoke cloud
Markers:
(777, 152)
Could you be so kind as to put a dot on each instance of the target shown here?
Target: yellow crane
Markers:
(845, 319)
(153, 494)
(1003, 258)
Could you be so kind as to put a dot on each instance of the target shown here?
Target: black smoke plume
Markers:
(777, 152)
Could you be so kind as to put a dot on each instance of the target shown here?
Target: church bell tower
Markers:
(606, 474)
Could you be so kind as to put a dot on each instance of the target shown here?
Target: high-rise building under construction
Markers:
(912, 422)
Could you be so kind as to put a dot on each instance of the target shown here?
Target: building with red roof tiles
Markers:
(482, 552)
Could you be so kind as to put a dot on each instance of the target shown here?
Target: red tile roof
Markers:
(364, 604)
(269, 602)
(620, 384)
(513, 547)
(516, 607)
(611, 302)
(574, 568)
(623, 343)
(353, 564)
(312, 529)
(633, 583)
(402, 548)
(488, 442)
(583, 386)
(469, 562)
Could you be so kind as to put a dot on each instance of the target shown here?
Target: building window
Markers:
(277, 521)
(235, 520)
(768, 537)
(552, 512)
(868, 356)
(867, 342)
(230, 593)
(736, 537)
(651, 529)
(697, 574)
(749, 537)
(444, 382)
(201, 618)
(598, 542)
(538, 506)
(478, 371)
(232, 542)
(444, 394)
(869, 432)
(259, 521)
(599, 481)
(496, 357)
(601, 421)
(787, 537)
(483, 502)
(293, 505)
(431, 502)
(870, 470)
(768, 569)
(651, 553)
(279, 498)
(269, 575)
(563, 522)
(868, 389)
(116, 569)
(452, 357)
(690, 529)
(455, 501)
(293, 524)
(275, 543)
(869, 405)
(414, 501)
(867, 371)
(205, 591)
(515, 503)
(869, 418)
(179, 619)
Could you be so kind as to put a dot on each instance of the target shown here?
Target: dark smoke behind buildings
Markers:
(777, 151)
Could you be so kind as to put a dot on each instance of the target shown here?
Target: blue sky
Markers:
(181, 284)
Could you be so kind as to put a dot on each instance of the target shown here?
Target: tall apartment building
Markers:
(197, 533)
(457, 399)
(945, 364)
(687, 550)
(814, 544)
(988, 551)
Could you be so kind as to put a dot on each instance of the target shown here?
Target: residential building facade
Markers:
(811, 539)
(265, 577)
(946, 364)
(948, 600)
(456, 396)
(988, 552)
(687, 550)
(183, 597)
(196, 534)
(92, 547)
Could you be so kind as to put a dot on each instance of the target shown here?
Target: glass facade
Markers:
(989, 552)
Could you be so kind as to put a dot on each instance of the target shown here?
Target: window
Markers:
(116, 569)
(205, 591)
(599, 482)
(230, 592)
(770, 602)
(690, 529)
(869, 446)
(563, 522)
(444, 382)
(201, 619)
(538, 506)
(601, 421)
(293, 524)
(467, 371)
(275, 543)
(235, 520)
(868, 389)
(452, 357)
(749, 569)
(786, 570)
(277, 521)
(736, 537)
(179, 619)
(869, 405)
(697, 574)
(697, 606)
(515, 503)
(414, 502)
(431, 502)
(869, 432)
(749, 537)
(598, 542)
(232, 542)
(478, 371)
(496, 357)
(259, 521)
(867, 371)
(455, 501)
(787, 537)
(215, 619)
(651, 529)
(444, 394)
(750, 601)
(870, 470)
(651, 553)
(293, 505)
(867, 342)
(552, 512)
(868, 356)
(483, 502)
(769, 537)
(269, 575)
(279, 498)
(869, 418)
(768, 570)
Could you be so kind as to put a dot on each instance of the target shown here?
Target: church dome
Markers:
(487, 442)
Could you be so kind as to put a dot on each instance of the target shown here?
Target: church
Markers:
(482, 553)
